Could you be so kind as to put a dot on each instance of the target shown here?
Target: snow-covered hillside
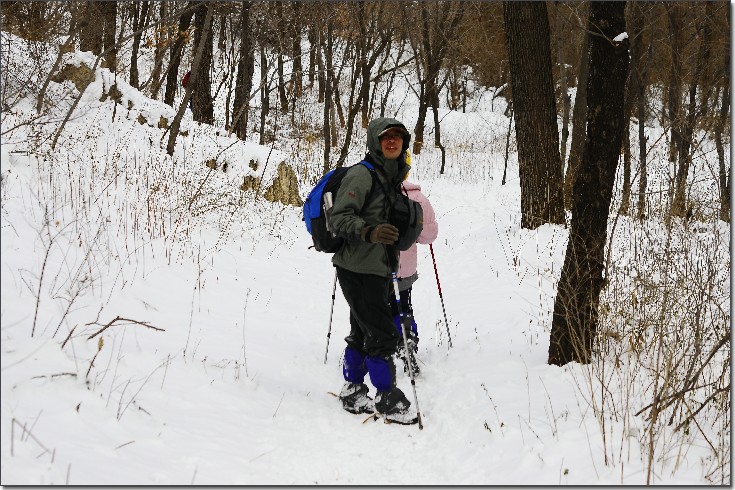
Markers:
(161, 326)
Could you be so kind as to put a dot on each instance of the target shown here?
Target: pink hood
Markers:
(407, 265)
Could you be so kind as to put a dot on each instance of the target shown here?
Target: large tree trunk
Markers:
(172, 75)
(725, 173)
(140, 17)
(529, 54)
(574, 323)
(109, 17)
(90, 35)
(579, 122)
(202, 105)
(196, 70)
(245, 70)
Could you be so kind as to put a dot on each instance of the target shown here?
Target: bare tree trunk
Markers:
(725, 173)
(320, 66)
(354, 108)
(575, 319)
(437, 134)
(297, 72)
(195, 72)
(641, 70)
(675, 81)
(565, 100)
(172, 74)
(313, 51)
(264, 93)
(90, 36)
(579, 123)
(109, 17)
(328, 123)
(534, 104)
(202, 104)
(438, 29)
(156, 79)
(679, 205)
(245, 71)
(139, 20)
(391, 81)
(368, 49)
(68, 46)
(281, 81)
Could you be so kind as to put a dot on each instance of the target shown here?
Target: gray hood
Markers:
(379, 125)
(396, 169)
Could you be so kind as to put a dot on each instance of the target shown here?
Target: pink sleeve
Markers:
(431, 227)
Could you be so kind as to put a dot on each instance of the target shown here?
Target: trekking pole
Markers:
(405, 344)
(331, 312)
(439, 286)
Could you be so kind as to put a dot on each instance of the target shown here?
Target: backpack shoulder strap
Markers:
(373, 174)
(374, 177)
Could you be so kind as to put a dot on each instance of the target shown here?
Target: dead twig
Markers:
(121, 319)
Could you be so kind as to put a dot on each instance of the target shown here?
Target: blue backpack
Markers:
(318, 207)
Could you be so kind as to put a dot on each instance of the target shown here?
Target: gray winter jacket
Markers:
(351, 213)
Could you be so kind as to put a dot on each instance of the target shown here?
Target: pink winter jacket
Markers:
(407, 264)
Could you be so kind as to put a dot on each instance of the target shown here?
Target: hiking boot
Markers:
(395, 407)
(355, 399)
(410, 357)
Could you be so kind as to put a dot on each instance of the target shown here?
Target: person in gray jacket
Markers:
(364, 265)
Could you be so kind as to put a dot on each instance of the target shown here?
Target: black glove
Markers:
(384, 233)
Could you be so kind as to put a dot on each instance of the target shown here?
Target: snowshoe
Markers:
(355, 399)
(393, 407)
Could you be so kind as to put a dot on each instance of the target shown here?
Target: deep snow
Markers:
(233, 389)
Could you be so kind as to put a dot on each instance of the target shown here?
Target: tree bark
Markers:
(437, 30)
(673, 102)
(725, 173)
(90, 36)
(172, 75)
(561, 31)
(639, 81)
(109, 17)
(327, 121)
(156, 79)
(368, 47)
(579, 122)
(264, 93)
(140, 17)
(534, 104)
(195, 70)
(575, 318)
(202, 105)
(281, 81)
(297, 71)
(679, 206)
(245, 71)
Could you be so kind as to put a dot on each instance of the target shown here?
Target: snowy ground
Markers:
(231, 387)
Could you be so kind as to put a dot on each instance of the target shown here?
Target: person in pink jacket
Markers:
(407, 275)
